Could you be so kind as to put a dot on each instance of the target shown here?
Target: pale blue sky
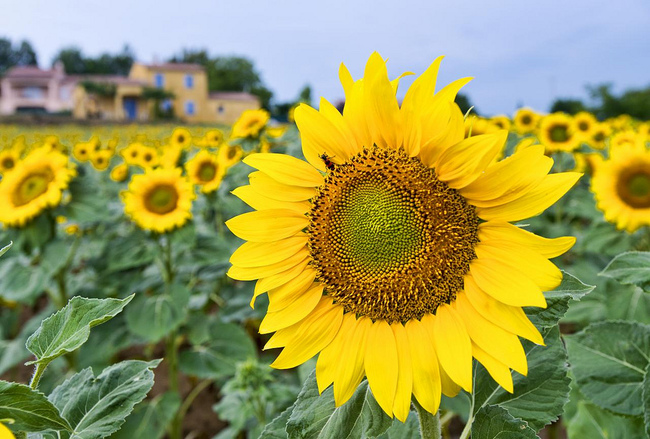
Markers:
(517, 51)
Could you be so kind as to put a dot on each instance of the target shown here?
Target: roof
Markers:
(176, 67)
(21, 72)
(233, 96)
(109, 79)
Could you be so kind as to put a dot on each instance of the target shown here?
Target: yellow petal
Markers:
(285, 169)
(315, 332)
(252, 273)
(296, 311)
(276, 280)
(510, 318)
(453, 346)
(402, 404)
(257, 254)
(551, 189)
(426, 371)
(450, 90)
(267, 225)
(330, 358)
(283, 296)
(506, 284)
(499, 371)
(464, 162)
(382, 110)
(257, 201)
(491, 338)
(331, 113)
(354, 111)
(270, 188)
(350, 369)
(381, 364)
(549, 248)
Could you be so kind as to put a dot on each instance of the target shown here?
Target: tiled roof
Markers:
(21, 72)
(233, 96)
(177, 67)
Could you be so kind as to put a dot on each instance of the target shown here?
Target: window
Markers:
(33, 93)
(189, 81)
(220, 109)
(189, 108)
(166, 105)
(159, 80)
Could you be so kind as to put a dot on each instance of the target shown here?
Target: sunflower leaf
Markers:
(69, 328)
(150, 418)
(276, 428)
(631, 268)
(609, 361)
(29, 409)
(6, 248)
(153, 317)
(646, 400)
(590, 421)
(495, 422)
(316, 416)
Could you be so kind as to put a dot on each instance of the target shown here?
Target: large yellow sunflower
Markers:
(205, 170)
(390, 252)
(35, 184)
(621, 185)
(250, 123)
(159, 200)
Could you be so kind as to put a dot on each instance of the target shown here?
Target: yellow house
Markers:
(124, 98)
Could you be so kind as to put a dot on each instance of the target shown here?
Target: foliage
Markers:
(15, 55)
(103, 89)
(464, 103)
(569, 106)
(76, 63)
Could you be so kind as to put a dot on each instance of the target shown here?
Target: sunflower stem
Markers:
(429, 423)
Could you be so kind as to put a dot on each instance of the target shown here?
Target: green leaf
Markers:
(54, 256)
(276, 429)
(407, 430)
(69, 328)
(495, 422)
(227, 345)
(153, 317)
(6, 248)
(123, 254)
(538, 398)
(558, 300)
(315, 416)
(30, 410)
(96, 407)
(593, 422)
(20, 281)
(85, 205)
(646, 400)
(631, 268)
(13, 352)
(150, 418)
(608, 361)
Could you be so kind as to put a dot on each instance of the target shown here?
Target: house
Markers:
(170, 88)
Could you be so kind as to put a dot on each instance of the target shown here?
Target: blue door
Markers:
(130, 108)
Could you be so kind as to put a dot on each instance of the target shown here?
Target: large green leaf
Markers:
(609, 360)
(150, 418)
(96, 407)
(631, 268)
(226, 345)
(315, 416)
(539, 397)
(276, 429)
(69, 328)
(20, 281)
(30, 410)
(495, 422)
(155, 316)
(128, 252)
(407, 430)
(646, 400)
(592, 422)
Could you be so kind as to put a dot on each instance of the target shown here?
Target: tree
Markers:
(465, 104)
(15, 55)
(569, 106)
(305, 94)
(635, 102)
(75, 63)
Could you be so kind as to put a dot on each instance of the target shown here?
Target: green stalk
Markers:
(38, 373)
(429, 423)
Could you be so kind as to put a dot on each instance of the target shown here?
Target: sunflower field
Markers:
(397, 270)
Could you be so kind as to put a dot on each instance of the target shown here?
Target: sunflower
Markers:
(584, 124)
(623, 138)
(556, 133)
(205, 171)
(599, 135)
(81, 151)
(35, 184)
(170, 156)
(213, 138)
(148, 157)
(501, 122)
(277, 131)
(230, 154)
(101, 159)
(159, 200)
(120, 172)
(475, 126)
(525, 120)
(8, 160)
(131, 154)
(621, 185)
(250, 123)
(181, 137)
(390, 252)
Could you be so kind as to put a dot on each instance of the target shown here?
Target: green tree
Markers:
(305, 94)
(75, 62)
(635, 102)
(569, 106)
(11, 55)
(465, 104)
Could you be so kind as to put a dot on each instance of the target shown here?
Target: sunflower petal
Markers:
(258, 254)
(350, 369)
(402, 403)
(506, 284)
(283, 296)
(453, 346)
(252, 273)
(499, 371)
(257, 201)
(267, 225)
(296, 311)
(426, 372)
(270, 188)
(381, 364)
(285, 169)
(265, 284)
(549, 248)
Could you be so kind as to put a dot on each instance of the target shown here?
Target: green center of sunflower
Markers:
(599, 136)
(388, 239)
(559, 133)
(7, 163)
(526, 120)
(31, 187)
(180, 138)
(583, 126)
(161, 199)
(207, 171)
(232, 152)
(634, 186)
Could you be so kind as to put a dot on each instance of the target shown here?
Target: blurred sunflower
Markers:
(131, 154)
(170, 156)
(120, 172)
(250, 123)
(501, 122)
(213, 138)
(181, 137)
(159, 200)
(584, 124)
(476, 126)
(621, 185)
(599, 135)
(556, 133)
(525, 120)
(205, 171)
(625, 138)
(101, 159)
(81, 151)
(230, 155)
(276, 131)
(8, 160)
(399, 263)
(148, 157)
(35, 184)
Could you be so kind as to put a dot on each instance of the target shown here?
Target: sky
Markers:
(519, 52)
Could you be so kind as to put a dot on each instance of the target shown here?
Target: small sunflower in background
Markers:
(213, 138)
(621, 186)
(501, 121)
(36, 183)
(131, 154)
(599, 136)
(230, 155)
(81, 151)
(584, 124)
(159, 200)
(205, 171)
(556, 133)
(250, 124)
(119, 172)
(625, 138)
(8, 160)
(389, 252)
(148, 157)
(476, 126)
(100, 160)
(277, 131)
(170, 156)
(181, 137)
(525, 120)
